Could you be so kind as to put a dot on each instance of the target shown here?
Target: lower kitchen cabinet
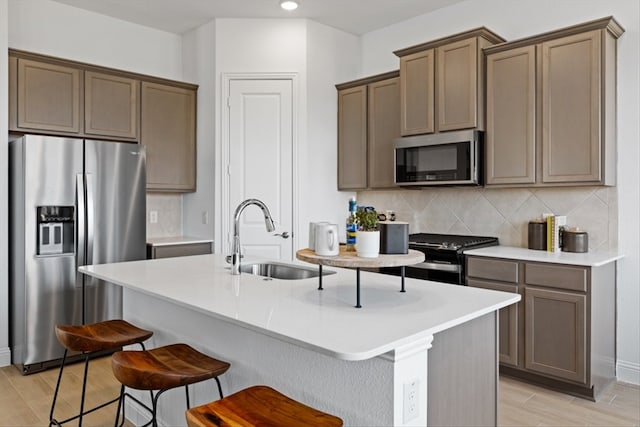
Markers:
(500, 275)
(170, 247)
(555, 333)
(562, 334)
(508, 322)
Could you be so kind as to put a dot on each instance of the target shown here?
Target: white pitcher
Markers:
(327, 243)
(312, 233)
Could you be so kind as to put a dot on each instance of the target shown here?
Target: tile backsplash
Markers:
(169, 209)
(502, 212)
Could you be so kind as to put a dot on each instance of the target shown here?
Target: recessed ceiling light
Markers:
(289, 4)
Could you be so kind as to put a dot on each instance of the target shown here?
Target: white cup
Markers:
(326, 241)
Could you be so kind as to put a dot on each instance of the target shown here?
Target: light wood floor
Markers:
(25, 400)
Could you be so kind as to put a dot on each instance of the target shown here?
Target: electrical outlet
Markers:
(410, 405)
(153, 217)
(205, 217)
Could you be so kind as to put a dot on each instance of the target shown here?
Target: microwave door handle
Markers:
(90, 218)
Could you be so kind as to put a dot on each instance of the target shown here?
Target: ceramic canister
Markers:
(575, 240)
(538, 234)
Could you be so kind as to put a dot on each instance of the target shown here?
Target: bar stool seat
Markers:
(89, 339)
(100, 336)
(164, 368)
(258, 406)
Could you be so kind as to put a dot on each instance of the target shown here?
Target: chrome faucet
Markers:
(235, 249)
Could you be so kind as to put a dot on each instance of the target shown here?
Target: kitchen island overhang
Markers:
(350, 362)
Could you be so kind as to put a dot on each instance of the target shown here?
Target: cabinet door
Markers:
(508, 321)
(417, 93)
(457, 89)
(168, 130)
(352, 138)
(511, 117)
(110, 105)
(555, 333)
(571, 94)
(48, 97)
(384, 127)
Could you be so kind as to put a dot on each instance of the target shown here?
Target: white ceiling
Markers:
(179, 16)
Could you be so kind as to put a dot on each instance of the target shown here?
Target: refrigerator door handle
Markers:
(90, 218)
(80, 221)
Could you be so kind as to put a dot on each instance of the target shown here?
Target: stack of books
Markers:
(555, 223)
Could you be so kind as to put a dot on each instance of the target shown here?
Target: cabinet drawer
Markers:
(154, 252)
(493, 269)
(554, 276)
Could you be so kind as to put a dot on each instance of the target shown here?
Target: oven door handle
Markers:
(454, 268)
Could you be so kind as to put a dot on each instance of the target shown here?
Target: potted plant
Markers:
(367, 236)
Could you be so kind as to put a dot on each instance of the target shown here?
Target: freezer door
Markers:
(116, 229)
(43, 289)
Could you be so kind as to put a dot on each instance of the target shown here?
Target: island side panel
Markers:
(463, 374)
(361, 393)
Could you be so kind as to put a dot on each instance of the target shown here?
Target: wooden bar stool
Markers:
(162, 369)
(89, 339)
(258, 406)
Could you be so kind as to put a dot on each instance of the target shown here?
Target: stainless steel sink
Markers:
(282, 271)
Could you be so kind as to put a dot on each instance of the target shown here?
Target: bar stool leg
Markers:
(120, 405)
(84, 387)
(52, 421)
(219, 387)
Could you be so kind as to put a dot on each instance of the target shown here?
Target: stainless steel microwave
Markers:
(449, 158)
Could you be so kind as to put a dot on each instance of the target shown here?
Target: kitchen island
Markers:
(426, 356)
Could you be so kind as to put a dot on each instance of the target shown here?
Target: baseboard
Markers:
(5, 356)
(628, 372)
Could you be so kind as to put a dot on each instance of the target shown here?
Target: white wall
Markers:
(199, 48)
(5, 355)
(317, 55)
(517, 19)
(332, 57)
(55, 29)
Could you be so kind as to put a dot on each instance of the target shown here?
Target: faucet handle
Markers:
(284, 234)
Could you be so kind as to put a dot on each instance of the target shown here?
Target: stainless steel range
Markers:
(444, 256)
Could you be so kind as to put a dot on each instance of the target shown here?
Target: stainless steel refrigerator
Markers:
(72, 202)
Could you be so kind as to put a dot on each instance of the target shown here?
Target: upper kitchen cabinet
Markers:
(368, 122)
(168, 130)
(111, 105)
(551, 108)
(44, 96)
(56, 96)
(442, 83)
(61, 97)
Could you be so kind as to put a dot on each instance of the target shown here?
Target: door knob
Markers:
(284, 234)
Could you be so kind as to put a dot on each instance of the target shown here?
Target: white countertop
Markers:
(295, 311)
(176, 240)
(590, 259)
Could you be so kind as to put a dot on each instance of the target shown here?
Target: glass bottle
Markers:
(352, 226)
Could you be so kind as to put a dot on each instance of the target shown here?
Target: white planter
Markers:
(368, 244)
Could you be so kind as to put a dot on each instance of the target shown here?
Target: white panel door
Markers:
(261, 162)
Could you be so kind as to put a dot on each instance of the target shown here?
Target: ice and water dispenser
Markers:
(55, 226)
